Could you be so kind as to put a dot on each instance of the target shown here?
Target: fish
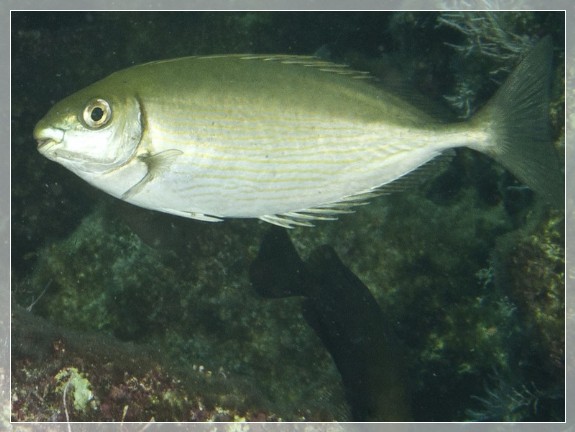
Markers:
(346, 317)
(287, 139)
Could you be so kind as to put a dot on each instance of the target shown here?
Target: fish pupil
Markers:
(97, 114)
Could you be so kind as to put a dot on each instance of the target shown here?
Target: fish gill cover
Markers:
(156, 313)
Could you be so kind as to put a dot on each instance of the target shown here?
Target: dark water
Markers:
(468, 267)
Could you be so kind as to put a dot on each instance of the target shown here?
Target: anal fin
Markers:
(330, 211)
(192, 215)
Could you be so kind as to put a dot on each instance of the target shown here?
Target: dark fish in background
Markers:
(350, 323)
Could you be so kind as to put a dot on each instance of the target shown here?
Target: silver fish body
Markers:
(287, 139)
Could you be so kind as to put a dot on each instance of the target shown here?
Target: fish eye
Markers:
(97, 113)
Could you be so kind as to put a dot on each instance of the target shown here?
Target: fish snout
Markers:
(47, 137)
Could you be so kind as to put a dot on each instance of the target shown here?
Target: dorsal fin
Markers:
(314, 62)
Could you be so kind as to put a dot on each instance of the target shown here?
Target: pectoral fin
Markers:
(156, 164)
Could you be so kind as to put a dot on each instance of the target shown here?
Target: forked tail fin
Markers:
(518, 117)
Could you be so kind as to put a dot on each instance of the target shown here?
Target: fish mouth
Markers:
(47, 138)
(45, 144)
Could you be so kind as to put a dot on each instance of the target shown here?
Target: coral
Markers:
(493, 43)
(490, 34)
(506, 402)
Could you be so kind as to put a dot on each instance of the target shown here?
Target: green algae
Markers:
(72, 381)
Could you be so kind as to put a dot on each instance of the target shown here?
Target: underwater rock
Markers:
(119, 381)
(63, 375)
(189, 306)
